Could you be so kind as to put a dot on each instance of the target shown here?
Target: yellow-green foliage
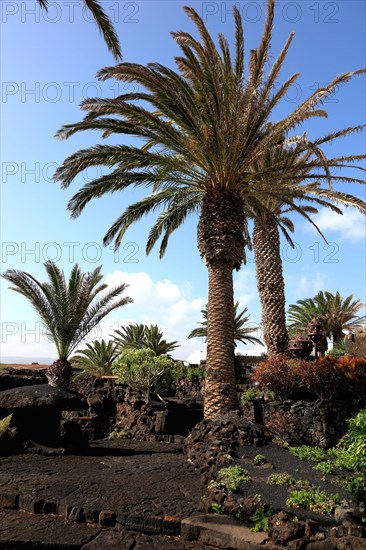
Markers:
(4, 423)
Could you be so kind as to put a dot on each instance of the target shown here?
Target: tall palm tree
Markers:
(242, 333)
(96, 359)
(335, 312)
(208, 123)
(68, 310)
(291, 169)
(103, 22)
(139, 336)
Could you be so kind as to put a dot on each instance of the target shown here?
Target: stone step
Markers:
(222, 532)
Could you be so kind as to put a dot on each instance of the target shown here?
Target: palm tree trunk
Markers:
(338, 336)
(220, 394)
(271, 286)
(221, 243)
(59, 374)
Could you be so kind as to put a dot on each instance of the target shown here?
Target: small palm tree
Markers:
(242, 333)
(96, 360)
(69, 310)
(103, 22)
(139, 336)
(335, 312)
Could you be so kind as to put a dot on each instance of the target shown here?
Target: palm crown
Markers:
(242, 331)
(140, 336)
(335, 312)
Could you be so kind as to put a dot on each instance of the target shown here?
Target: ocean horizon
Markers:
(26, 360)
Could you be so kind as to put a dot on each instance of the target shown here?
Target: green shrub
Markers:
(354, 441)
(217, 508)
(342, 459)
(316, 500)
(259, 460)
(117, 434)
(357, 487)
(233, 476)
(260, 519)
(194, 374)
(249, 395)
(338, 350)
(312, 454)
(325, 467)
(281, 479)
(145, 371)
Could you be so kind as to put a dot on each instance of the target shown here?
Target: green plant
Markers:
(233, 476)
(260, 519)
(117, 434)
(342, 459)
(242, 332)
(357, 487)
(249, 395)
(259, 460)
(217, 508)
(312, 454)
(280, 479)
(354, 441)
(96, 359)
(314, 499)
(145, 371)
(338, 350)
(194, 374)
(4, 423)
(325, 467)
(302, 484)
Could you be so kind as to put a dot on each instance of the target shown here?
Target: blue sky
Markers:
(49, 62)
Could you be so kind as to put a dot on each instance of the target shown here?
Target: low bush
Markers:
(314, 499)
(278, 376)
(326, 378)
(325, 467)
(195, 374)
(259, 460)
(260, 519)
(281, 479)
(232, 477)
(145, 371)
(312, 454)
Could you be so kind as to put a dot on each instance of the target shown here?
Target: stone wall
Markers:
(319, 423)
(356, 344)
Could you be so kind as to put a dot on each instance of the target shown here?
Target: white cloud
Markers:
(306, 286)
(164, 303)
(350, 226)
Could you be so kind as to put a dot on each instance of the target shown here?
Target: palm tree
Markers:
(242, 333)
(291, 169)
(68, 310)
(96, 359)
(335, 312)
(103, 22)
(139, 336)
(208, 124)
